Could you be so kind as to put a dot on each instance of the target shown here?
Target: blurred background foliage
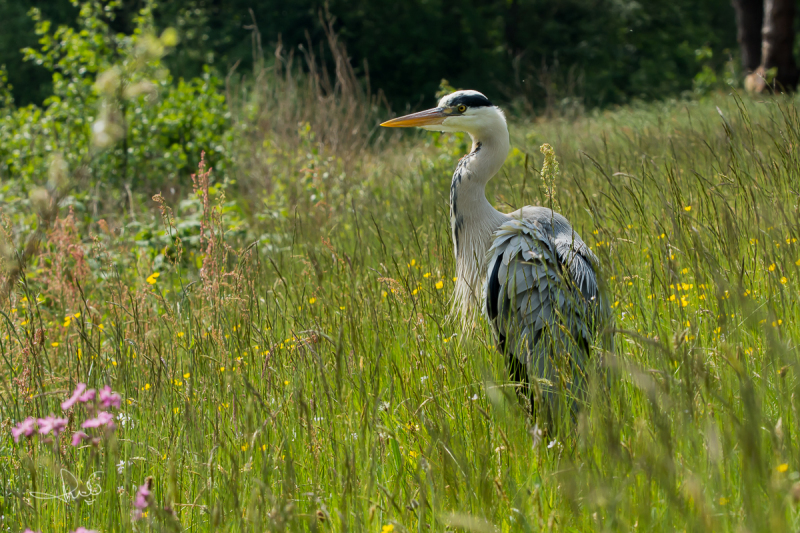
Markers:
(596, 52)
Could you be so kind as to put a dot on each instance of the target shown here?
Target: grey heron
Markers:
(528, 271)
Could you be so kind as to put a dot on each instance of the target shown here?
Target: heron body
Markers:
(528, 271)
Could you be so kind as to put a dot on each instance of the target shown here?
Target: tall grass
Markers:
(297, 115)
(305, 377)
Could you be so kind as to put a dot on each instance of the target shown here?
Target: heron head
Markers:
(468, 111)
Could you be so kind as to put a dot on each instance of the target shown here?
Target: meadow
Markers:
(280, 339)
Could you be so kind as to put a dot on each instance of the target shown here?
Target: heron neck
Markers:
(472, 217)
(489, 150)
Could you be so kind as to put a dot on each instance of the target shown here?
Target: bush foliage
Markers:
(109, 87)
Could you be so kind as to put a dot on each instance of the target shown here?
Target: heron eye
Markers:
(462, 108)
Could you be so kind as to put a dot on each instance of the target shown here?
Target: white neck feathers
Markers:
(472, 217)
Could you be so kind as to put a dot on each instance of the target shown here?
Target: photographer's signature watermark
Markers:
(73, 488)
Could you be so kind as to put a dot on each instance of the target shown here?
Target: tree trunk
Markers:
(778, 43)
(749, 18)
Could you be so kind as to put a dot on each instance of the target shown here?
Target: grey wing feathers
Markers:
(543, 301)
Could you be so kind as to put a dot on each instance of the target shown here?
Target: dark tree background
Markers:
(599, 51)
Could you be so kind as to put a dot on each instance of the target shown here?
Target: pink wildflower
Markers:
(27, 427)
(51, 423)
(78, 396)
(109, 399)
(143, 495)
(87, 396)
(78, 436)
(31, 531)
(84, 530)
(103, 418)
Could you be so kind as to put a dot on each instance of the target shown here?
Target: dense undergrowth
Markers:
(277, 328)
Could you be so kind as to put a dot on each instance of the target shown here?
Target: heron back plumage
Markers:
(543, 302)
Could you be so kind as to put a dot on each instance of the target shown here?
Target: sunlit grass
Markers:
(313, 381)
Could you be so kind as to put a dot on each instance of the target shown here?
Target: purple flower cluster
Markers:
(142, 497)
(55, 425)
(103, 418)
(45, 425)
(27, 428)
(80, 395)
(109, 399)
(52, 424)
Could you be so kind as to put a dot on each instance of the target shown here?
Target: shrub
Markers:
(120, 80)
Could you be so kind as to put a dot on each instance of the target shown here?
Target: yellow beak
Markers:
(423, 118)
